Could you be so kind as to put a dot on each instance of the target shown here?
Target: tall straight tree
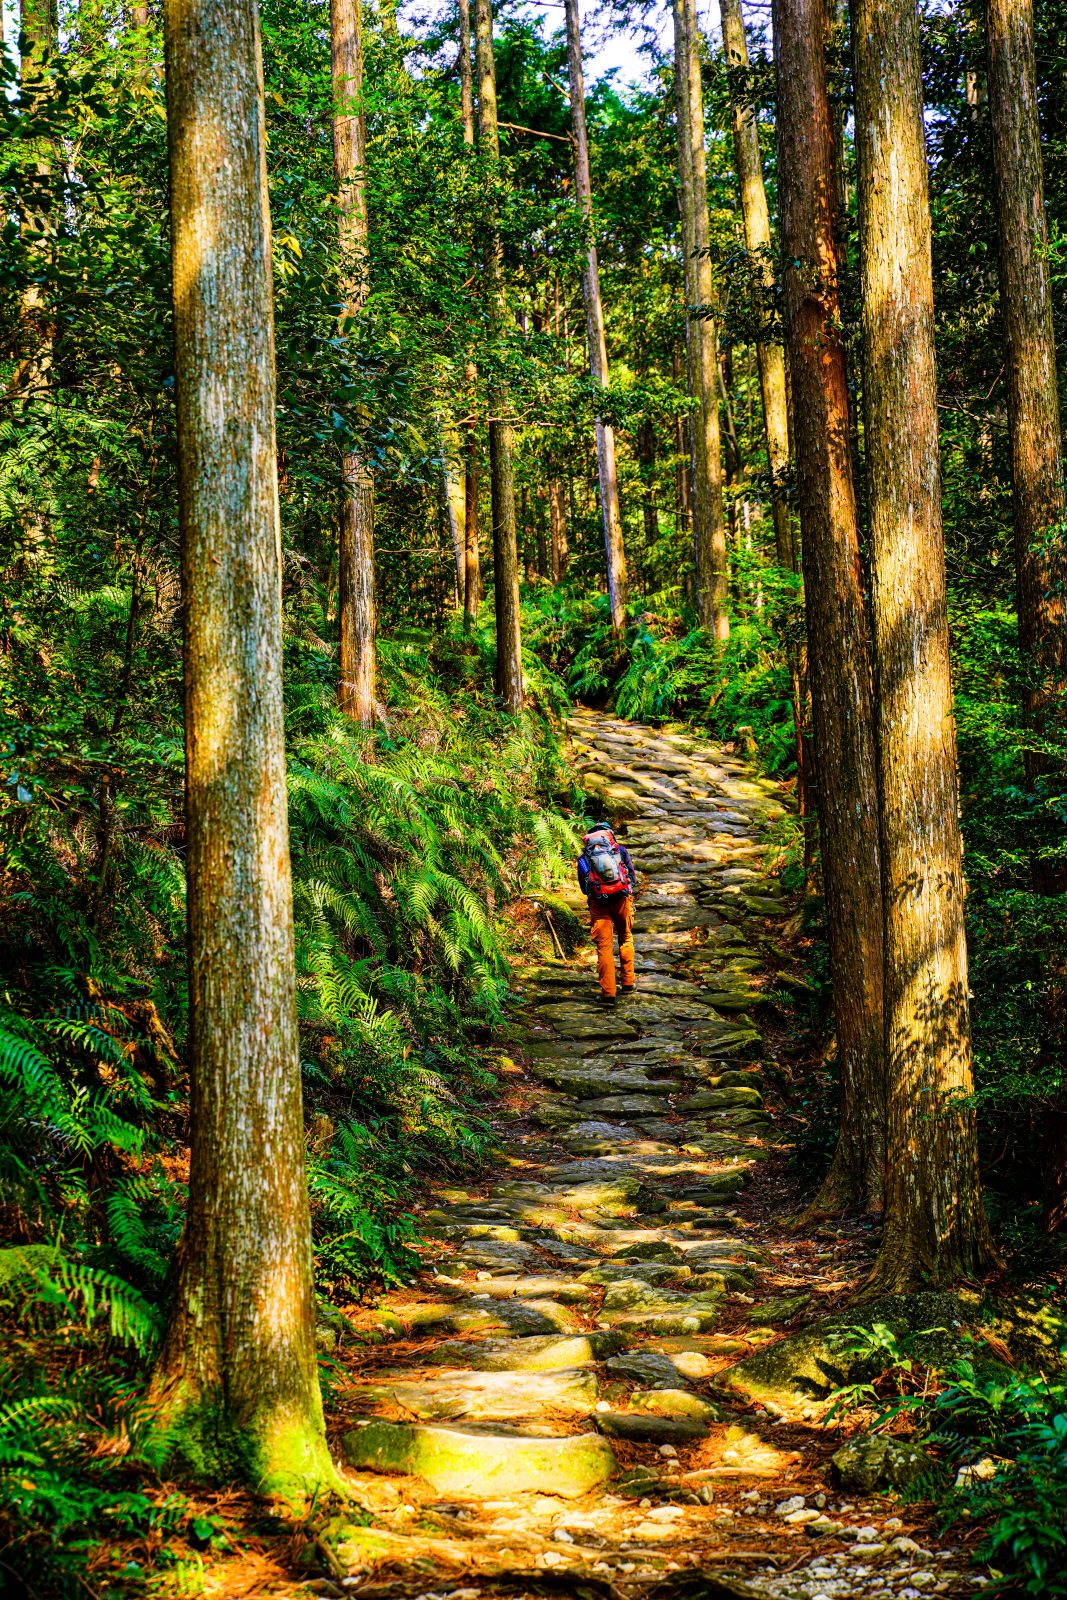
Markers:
(840, 650)
(935, 1222)
(594, 322)
(501, 470)
(702, 340)
(1029, 359)
(357, 603)
(472, 576)
(237, 1374)
(770, 357)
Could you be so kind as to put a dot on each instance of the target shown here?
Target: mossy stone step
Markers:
(592, 1081)
(620, 1105)
(586, 1022)
(651, 1368)
(482, 1461)
(520, 1316)
(677, 1403)
(646, 1428)
(565, 1290)
(651, 1272)
(534, 1353)
(481, 1396)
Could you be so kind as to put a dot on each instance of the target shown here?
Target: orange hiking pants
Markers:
(605, 922)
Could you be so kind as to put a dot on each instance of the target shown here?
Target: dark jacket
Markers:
(611, 899)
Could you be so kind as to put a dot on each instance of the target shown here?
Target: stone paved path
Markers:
(551, 1405)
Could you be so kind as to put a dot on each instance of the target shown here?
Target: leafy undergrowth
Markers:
(406, 867)
(995, 1439)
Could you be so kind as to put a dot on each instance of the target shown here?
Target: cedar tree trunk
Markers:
(1029, 359)
(594, 322)
(357, 605)
(472, 576)
(501, 473)
(935, 1222)
(557, 522)
(702, 334)
(237, 1375)
(770, 357)
(840, 650)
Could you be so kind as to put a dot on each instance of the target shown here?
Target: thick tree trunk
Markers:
(840, 650)
(709, 544)
(237, 1374)
(769, 355)
(358, 613)
(501, 474)
(1030, 361)
(935, 1223)
(594, 322)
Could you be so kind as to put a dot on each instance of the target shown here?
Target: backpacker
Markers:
(607, 875)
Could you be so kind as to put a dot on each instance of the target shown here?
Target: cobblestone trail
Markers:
(557, 1403)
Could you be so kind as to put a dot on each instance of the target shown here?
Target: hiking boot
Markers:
(608, 1001)
(627, 988)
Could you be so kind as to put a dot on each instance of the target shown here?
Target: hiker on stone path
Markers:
(607, 878)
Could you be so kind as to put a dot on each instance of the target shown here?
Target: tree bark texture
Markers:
(709, 544)
(557, 523)
(466, 79)
(237, 1373)
(456, 507)
(1030, 361)
(935, 1223)
(770, 356)
(472, 570)
(471, 584)
(840, 654)
(594, 322)
(501, 474)
(358, 612)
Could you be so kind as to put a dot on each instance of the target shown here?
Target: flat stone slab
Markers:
(649, 1367)
(620, 1194)
(587, 1022)
(676, 1403)
(565, 1290)
(644, 1428)
(481, 1396)
(521, 1316)
(482, 1462)
(721, 1100)
(494, 1252)
(535, 1353)
(621, 1105)
(564, 1250)
(650, 1272)
(594, 1080)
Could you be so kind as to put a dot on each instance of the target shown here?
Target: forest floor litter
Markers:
(580, 1394)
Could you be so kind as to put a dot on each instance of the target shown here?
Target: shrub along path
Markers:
(579, 1392)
